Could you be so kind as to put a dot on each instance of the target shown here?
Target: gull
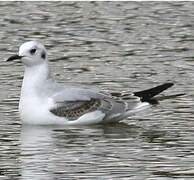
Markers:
(45, 102)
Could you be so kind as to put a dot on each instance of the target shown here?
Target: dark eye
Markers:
(32, 51)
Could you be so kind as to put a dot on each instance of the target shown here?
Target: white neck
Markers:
(34, 78)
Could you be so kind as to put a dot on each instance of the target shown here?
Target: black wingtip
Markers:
(167, 85)
(148, 94)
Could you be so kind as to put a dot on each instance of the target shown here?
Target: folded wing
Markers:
(75, 102)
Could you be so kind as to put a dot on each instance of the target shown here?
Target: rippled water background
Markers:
(115, 46)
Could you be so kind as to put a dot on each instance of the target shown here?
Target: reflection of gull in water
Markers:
(36, 152)
(46, 150)
(43, 101)
(53, 152)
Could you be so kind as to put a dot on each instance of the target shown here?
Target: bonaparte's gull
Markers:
(44, 102)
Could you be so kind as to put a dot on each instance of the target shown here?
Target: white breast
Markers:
(34, 111)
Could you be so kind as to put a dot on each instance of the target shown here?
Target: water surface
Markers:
(116, 46)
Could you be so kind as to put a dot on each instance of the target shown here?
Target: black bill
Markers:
(14, 57)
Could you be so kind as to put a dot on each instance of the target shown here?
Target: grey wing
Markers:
(72, 110)
(73, 103)
(77, 94)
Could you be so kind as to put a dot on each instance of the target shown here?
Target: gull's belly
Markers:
(34, 111)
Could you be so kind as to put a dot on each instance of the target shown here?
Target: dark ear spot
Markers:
(43, 55)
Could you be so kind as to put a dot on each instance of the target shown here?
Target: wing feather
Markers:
(73, 110)
(75, 102)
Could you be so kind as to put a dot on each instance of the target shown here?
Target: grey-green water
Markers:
(115, 46)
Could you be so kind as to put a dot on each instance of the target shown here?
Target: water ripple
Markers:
(116, 46)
